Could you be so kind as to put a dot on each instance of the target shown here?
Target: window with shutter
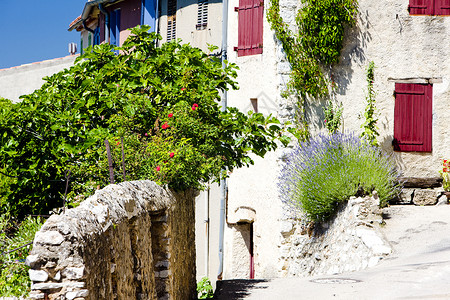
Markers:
(171, 19)
(429, 7)
(442, 7)
(202, 14)
(250, 27)
(413, 117)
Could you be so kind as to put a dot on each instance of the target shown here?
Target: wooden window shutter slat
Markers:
(171, 19)
(202, 14)
(420, 7)
(258, 27)
(250, 26)
(442, 7)
(248, 19)
(412, 117)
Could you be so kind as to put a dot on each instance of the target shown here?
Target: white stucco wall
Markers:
(256, 186)
(186, 19)
(25, 79)
(401, 46)
(207, 263)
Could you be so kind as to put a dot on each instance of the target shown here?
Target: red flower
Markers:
(183, 89)
(194, 106)
(146, 134)
(118, 143)
(444, 170)
(170, 115)
(171, 154)
(165, 126)
(158, 168)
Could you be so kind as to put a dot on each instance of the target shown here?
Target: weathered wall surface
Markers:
(402, 47)
(186, 21)
(134, 240)
(350, 242)
(25, 79)
(256, 186)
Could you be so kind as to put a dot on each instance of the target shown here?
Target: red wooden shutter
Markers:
(420, 7)
(250, 27)
(442, 7)
(413, 117)
(257, 32)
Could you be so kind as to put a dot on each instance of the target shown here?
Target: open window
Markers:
(413, 117)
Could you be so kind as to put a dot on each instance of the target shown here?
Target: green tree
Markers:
(159, 103)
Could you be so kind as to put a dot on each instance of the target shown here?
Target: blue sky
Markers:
(36, 30)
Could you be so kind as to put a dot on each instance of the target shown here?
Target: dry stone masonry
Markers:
(350, 242)
(133, 240)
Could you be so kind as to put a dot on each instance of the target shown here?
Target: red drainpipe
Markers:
(252, 261)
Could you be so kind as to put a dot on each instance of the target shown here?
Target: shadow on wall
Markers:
(236, 288)
(355, 41)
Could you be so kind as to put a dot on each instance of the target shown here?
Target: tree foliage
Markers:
(159, 103)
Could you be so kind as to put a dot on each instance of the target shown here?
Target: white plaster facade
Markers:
(25, 79)
(186, 21)
(403, 47)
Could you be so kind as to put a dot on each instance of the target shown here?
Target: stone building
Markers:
(409, 44)
(410, 48)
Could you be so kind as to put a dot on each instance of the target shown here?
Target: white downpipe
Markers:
(207, 232)
(223, 182)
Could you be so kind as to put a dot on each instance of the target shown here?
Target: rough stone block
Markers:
(442, 200)
(406, 196)
(56, 285)
(75, 294)
(49, 238)
(73, 273)
(36, 295)
(38, 275)
(425, 197)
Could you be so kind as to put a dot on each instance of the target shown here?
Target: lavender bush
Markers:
(326, 170)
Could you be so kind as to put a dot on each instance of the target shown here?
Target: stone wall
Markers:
(350, 242)
(133, 240)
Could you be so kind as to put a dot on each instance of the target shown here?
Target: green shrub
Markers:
(157, 100)
(327, 170)
(14, 279)
(205, 289)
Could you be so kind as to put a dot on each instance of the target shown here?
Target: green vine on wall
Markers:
(316, 44)
(370, 127)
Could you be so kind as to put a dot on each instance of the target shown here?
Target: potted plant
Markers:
(445, 173)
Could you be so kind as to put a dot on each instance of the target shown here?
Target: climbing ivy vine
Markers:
(316, 45)
(370, 127)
